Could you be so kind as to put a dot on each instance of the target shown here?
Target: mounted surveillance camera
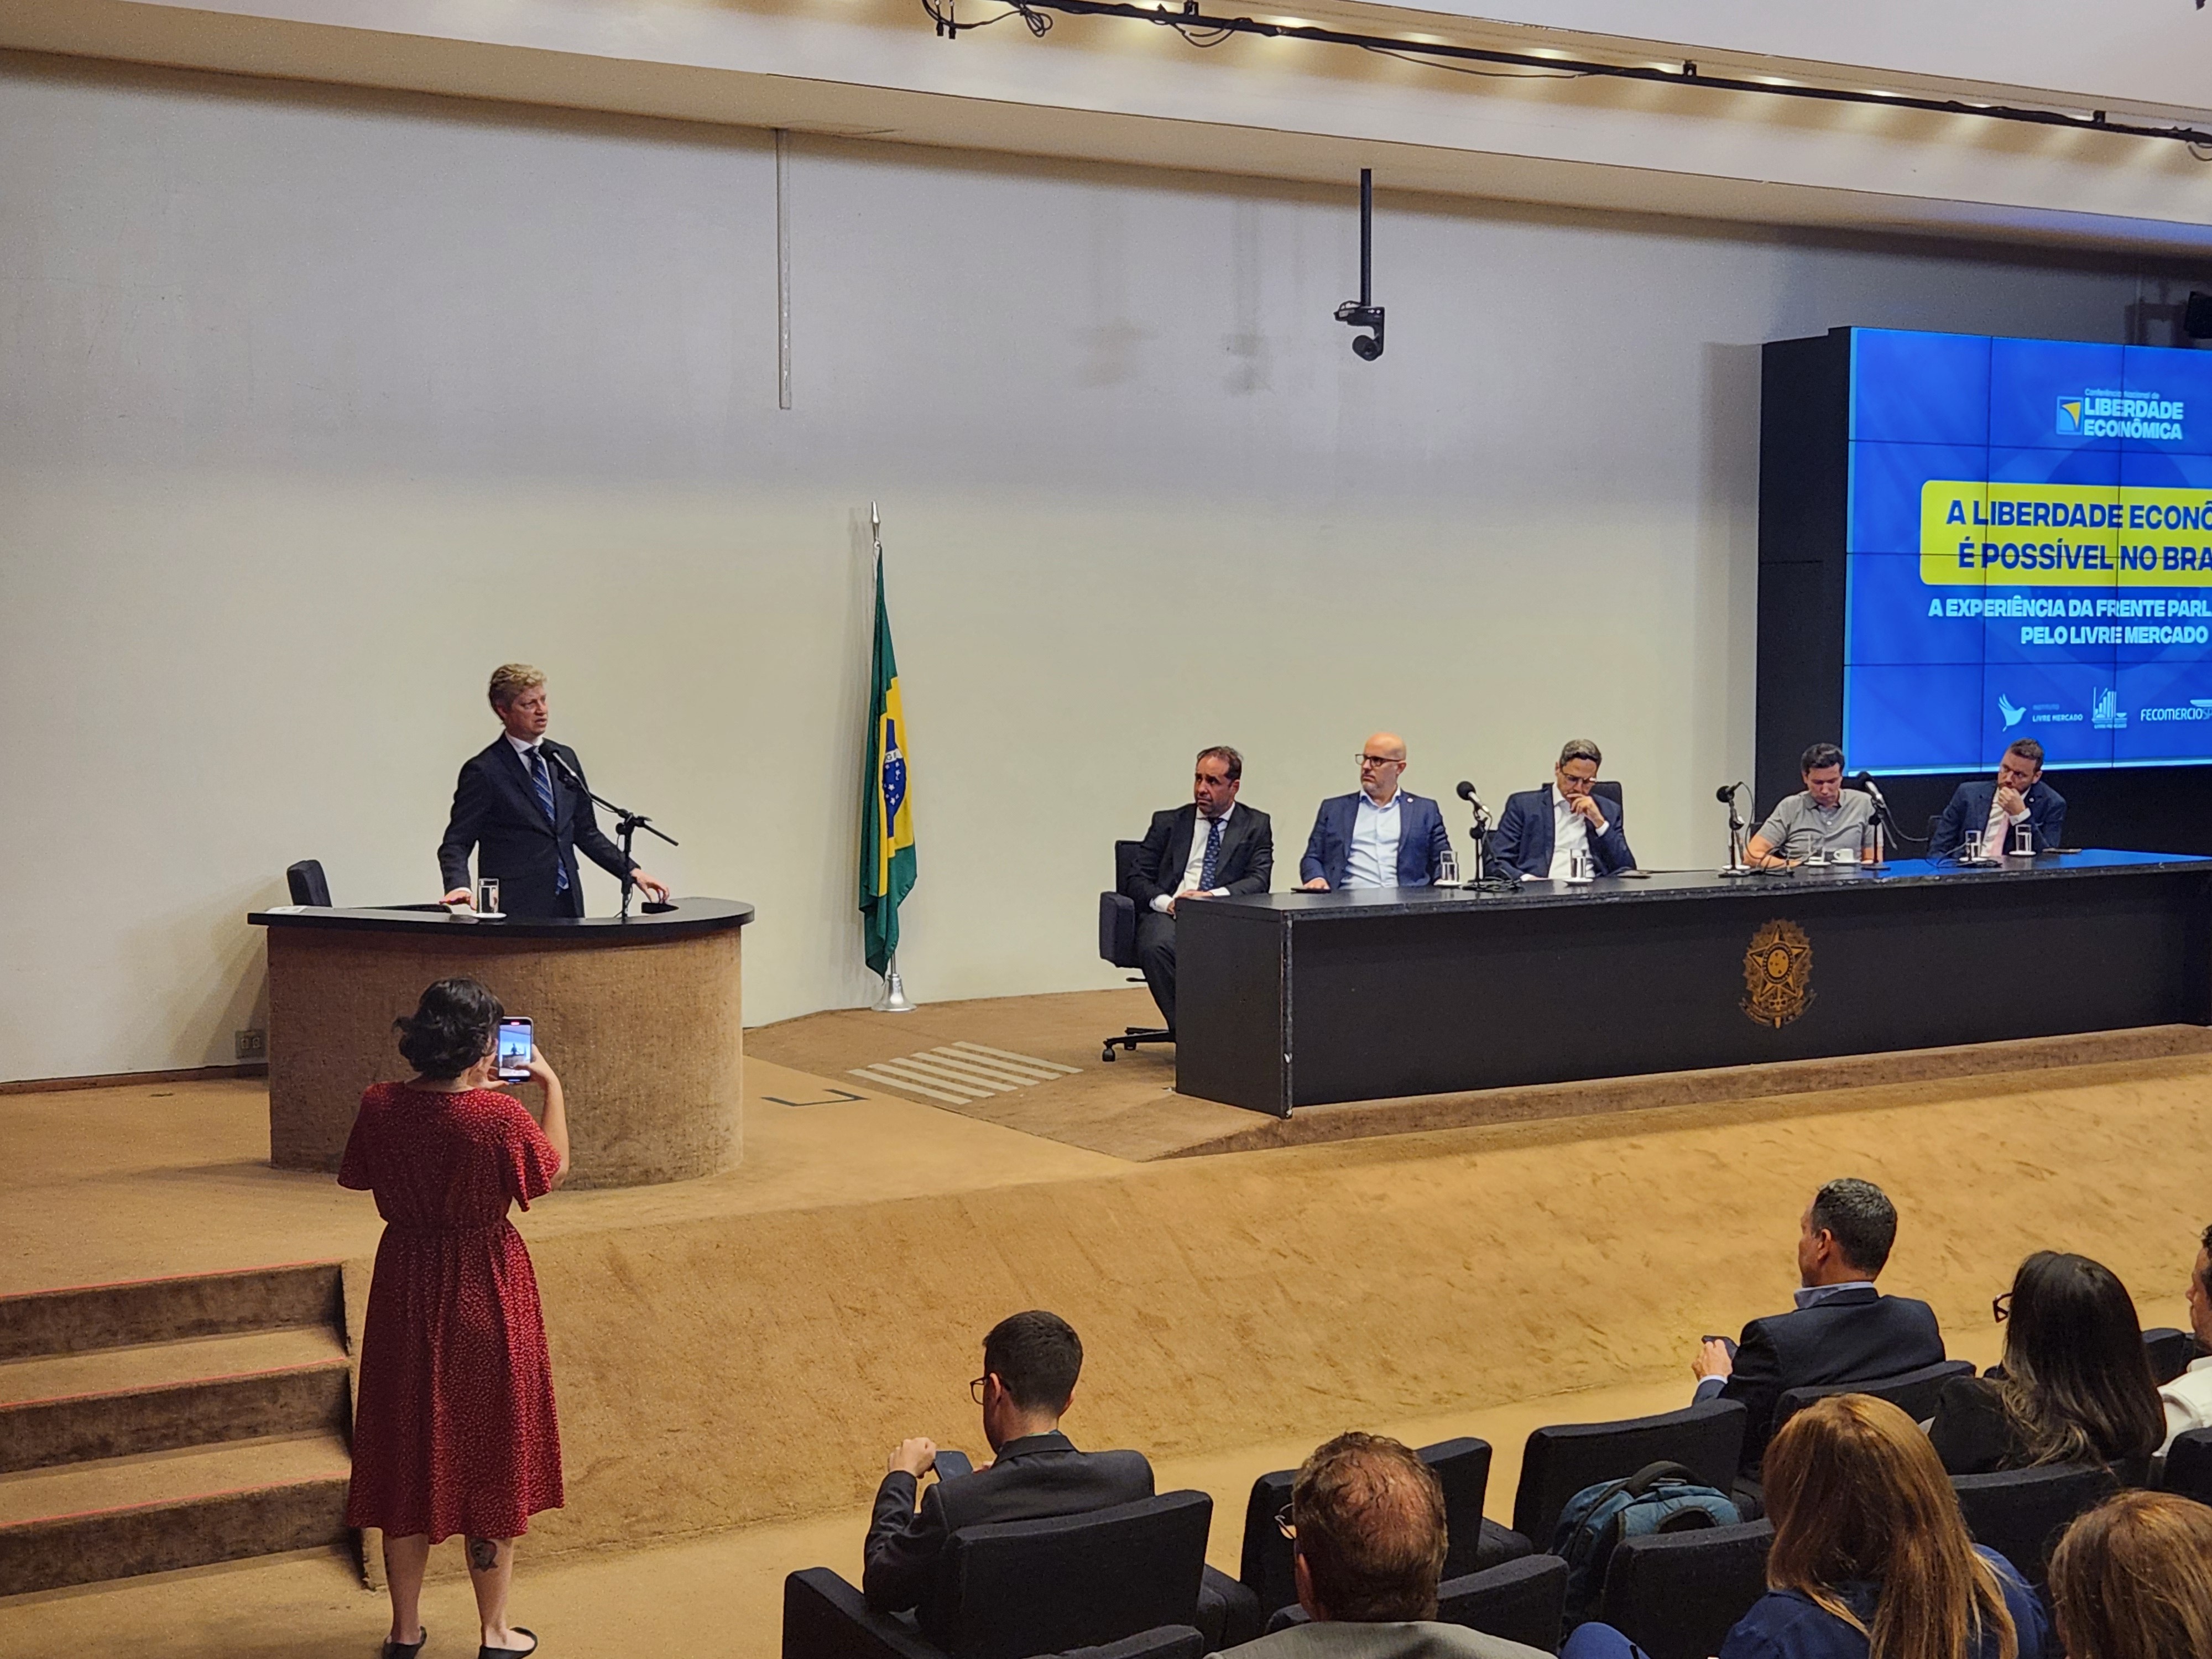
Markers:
(1363, 312)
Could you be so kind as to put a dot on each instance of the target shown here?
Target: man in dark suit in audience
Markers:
(1030, 1361)
(1212, 848)
(1367, 1519)
(1996, 809)
(1843, 1330)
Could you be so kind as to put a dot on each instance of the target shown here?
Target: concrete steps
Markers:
(171, 1423)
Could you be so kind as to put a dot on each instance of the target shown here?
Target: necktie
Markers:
(1205, 871)
(543, 780)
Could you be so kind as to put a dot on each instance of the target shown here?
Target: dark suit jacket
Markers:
(1038, 1475)
(1856, 1336)
(1247, 863)
(1969, 811)
(1523, 839)
(495, 811)
(1422, 841)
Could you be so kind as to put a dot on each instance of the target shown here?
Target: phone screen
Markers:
(514, 1041)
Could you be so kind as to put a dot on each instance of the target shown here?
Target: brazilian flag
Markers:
(887, 866)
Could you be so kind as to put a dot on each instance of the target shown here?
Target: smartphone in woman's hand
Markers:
(514, 1049)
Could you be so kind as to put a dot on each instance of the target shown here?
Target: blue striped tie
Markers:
(544, 780)
(1207, 869)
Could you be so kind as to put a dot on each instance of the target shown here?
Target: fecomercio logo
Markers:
(2108, 414)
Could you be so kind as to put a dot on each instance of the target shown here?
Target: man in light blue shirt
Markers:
(1382, 836)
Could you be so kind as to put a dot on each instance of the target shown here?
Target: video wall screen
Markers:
(2028, 553)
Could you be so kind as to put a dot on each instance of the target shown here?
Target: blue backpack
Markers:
(1657, 1497)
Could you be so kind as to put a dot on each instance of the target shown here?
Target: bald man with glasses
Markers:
(1380, 837)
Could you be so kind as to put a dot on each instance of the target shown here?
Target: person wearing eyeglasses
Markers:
(1366, 1517)
(1215, 847)
(1380, 836)
(1542, 832)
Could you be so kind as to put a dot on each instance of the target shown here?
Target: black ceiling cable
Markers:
(1191, 23)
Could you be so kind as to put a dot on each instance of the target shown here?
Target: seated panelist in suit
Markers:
(1382, 836)
(523, 815)
(1212, 848)
(1842, 1330)
(1030, 1363)
(1995, 810)
(1541, 829)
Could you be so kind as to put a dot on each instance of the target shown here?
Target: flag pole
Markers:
(894, 999)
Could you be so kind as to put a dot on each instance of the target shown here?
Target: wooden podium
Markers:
(640, 1018)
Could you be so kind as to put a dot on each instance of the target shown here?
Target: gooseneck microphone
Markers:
(1866, 779)
(1726, 793)
(1466, 793)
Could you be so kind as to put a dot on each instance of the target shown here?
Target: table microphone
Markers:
(1466, 793)
(1726, 793)
(1872, 788)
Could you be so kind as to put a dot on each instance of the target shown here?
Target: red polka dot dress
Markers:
(453, 1430)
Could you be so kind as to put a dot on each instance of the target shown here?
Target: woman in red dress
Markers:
(454, 1430)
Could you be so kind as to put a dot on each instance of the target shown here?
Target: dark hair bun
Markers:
(453, 1028)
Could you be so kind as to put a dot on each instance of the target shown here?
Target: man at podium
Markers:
(521, 806)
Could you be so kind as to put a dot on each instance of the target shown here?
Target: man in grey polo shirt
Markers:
(1821, 820)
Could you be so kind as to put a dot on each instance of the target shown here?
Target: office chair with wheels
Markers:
(1117, 944)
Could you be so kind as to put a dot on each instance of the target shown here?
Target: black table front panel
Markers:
(1291, 1002)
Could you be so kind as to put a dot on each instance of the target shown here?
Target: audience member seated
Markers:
(2188, 1398)
(2132, 1579)
(1030, 1363)
(1843, 1330)
(2077, 1385)
(1871, 1559)
(1367, 1519)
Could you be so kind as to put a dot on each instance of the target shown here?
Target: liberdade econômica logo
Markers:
(2097, 413)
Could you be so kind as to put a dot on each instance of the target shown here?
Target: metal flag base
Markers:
(893, 1000)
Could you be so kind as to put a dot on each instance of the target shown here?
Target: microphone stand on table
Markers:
(1739, 862)
(627, 825)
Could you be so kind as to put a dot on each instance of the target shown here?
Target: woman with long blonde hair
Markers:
(1871, 1557)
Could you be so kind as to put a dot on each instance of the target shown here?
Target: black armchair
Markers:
(1117, 944)
(1912, 1393)
(2020, 1513)
(1016, 1588)
(306, 880)
(2171, 1352)
(1462, 1468)
(1705, 1438)
(1678, 1595)
(1523, 1601)
(2189, 1466)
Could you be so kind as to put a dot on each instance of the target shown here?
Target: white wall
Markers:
(315, 405)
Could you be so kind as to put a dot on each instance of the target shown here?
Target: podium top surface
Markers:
(1664, 885)
(682, 918)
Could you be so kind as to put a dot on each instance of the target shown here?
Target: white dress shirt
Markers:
(1570, 834)
(528, 751)
(2188, 1401)
(1194, 866)
(1997, 834)
(1372, 859)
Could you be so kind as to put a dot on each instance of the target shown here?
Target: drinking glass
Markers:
(1970, 849)
(2023, 840)
(487, 896)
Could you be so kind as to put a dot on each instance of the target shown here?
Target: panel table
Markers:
(1289, 999)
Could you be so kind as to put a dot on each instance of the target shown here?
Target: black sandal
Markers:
(512, 1653)
(407, 1649)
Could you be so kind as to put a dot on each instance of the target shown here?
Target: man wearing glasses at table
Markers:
(1382, 836)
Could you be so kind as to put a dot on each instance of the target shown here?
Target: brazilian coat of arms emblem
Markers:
(1777, 973)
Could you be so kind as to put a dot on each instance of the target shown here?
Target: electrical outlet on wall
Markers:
(249, 1045)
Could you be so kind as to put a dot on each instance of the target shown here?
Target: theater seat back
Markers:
(2189, 1466)
(1560, 1461)
(1021, 1588)
(1678, 1595)
(1912, 1393)
(2020, 1513)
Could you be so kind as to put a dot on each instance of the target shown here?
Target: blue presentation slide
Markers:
(2029, 553)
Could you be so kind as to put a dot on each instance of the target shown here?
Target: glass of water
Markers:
(2023, 840)
(1970, 849)
(487, 896)
(1448, 869)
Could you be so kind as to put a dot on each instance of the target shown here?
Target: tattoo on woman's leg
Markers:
(483, 1554)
